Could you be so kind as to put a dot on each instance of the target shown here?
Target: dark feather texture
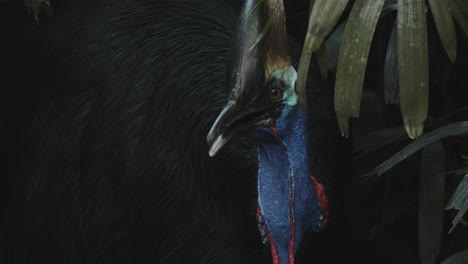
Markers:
(115, 99)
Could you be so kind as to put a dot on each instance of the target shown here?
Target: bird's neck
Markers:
(288, 203)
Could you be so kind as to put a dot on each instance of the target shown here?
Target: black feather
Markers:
(117, 98)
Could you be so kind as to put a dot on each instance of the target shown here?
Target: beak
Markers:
(250, 60)
(243, 77)
(216, 139)
(236, 118)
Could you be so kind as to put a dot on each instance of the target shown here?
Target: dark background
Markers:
(376, 222)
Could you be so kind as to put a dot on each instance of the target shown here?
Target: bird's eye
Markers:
(275, 94)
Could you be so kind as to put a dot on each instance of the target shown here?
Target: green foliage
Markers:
(459, 258)
(323, 18)
(352, 60)
(406, 83)
(459, 201)
(412, 91)
(445, 26)
(413, 65)
(431, 202)
(455, 129)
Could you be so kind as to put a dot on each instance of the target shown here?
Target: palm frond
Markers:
(322, 20)
(406, 77)
(454, 129)
(445, 26)
(389, 6)
(431, 202)
(460, 12)
(391, 92)
(459, 258)
(456, 172)
(352, 60)
(413, 65)
(333, 46)
(376, 140)
(322, 60)
(459, 201)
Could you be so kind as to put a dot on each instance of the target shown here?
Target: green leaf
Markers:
(322, 60)
(445, 26)
(375, 140)
(322, 20)
(431, 202)
(333, 46)
(454, 129)
(311, 6)
(460, 12)
(413, 65)
(392, 95)
(456, 172)
(389, 7)
(459, 258)
(352, 60)
(459, 201)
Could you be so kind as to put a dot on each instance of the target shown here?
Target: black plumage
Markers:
(114, 100)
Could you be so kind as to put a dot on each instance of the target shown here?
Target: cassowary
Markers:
(114, 102)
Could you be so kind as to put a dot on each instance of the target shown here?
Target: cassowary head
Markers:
(263, 100)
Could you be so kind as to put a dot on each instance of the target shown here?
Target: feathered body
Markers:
(115, 99)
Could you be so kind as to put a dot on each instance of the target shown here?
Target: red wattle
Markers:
(322, 198)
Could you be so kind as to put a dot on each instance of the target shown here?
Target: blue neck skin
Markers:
(287, 198)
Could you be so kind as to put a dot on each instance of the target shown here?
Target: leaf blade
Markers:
(459, 201)
(454, 129)
(352, 60)
(413, 65)
(391, 92)
(459, 258)
(322, 60)
(460, 12)
(445, 26)
(431, 202)
(323, 18)
(333, 46)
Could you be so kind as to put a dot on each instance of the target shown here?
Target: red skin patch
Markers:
(322, 198)
(292, 238)
(274, 130)
(274, 251)
(323, 203)
(292, 234)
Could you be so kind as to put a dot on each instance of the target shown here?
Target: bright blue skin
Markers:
(283, 163)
